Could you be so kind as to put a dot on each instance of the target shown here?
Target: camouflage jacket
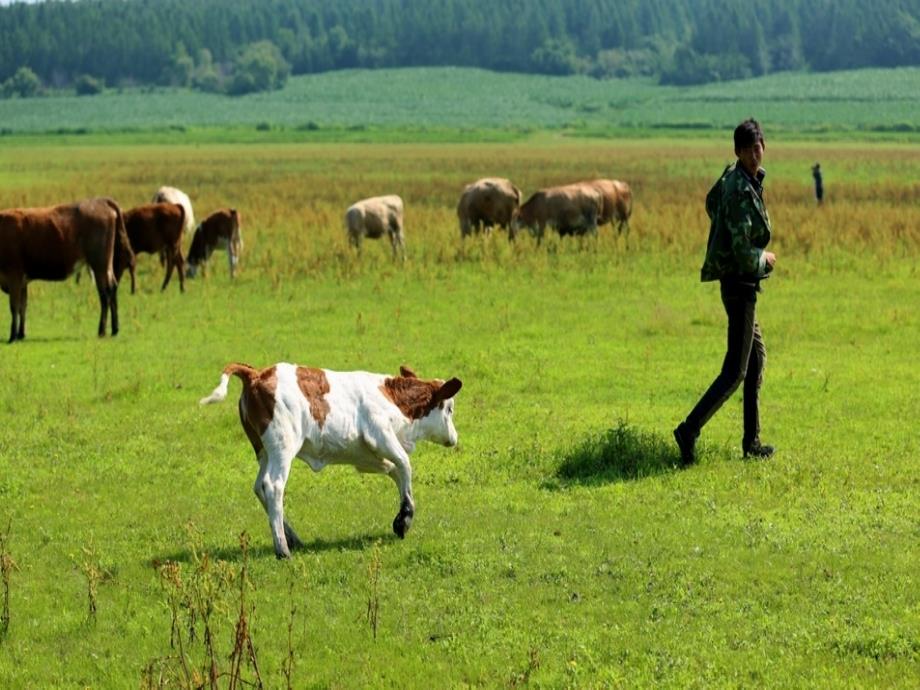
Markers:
(739, 230)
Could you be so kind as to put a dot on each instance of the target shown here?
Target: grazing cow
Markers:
(172, 195)
(369, 421)
(617, 206)
(220, 230)
(375, 216)
(487, 202)
(154, 228)
(572, 210)
(48, 243)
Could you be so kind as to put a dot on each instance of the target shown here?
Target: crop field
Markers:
(450, 102)
(558, 545)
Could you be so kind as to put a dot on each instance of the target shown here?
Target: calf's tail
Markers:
(243, 371)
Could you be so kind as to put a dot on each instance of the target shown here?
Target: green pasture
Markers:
(558, 545)
(454, 103)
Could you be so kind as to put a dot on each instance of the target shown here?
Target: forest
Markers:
(236, 46)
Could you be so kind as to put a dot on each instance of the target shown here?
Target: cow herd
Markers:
(52, 243)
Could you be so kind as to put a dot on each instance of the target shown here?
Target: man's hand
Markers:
(770, 258)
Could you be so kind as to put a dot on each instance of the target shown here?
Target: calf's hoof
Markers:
(282, 554)
(401, 524)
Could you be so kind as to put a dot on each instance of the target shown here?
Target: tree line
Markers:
(236, 46)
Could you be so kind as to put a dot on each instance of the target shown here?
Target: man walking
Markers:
(736, 256)
(819, 183)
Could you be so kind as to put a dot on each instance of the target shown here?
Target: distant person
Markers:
(736, 256)
(819, 183)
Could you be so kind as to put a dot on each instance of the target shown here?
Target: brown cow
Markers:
(617, 204)
(47, 243)
(572, 210)
(220, 230)
(487, 202)
(154, 229)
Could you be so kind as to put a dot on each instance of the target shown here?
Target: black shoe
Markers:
(758, 451)
(685, 441)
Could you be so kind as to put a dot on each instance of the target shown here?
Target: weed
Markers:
(7, 566)
(373, 593)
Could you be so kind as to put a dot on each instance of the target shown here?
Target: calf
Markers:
(370, 421)
(375, 216)
(220, 230)
(154, 228)
(47, 244)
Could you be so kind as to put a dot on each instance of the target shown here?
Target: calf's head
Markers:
(438, 424)
(428, 404)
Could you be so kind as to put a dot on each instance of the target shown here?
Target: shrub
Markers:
(24, 83)
(88, 85)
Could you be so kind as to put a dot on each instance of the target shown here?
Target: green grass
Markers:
(557, 545)
(449, 103)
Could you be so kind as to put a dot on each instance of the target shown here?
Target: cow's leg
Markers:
(180, 268)
(102, 289)
(385, 444)
(113, 305)
(23, 303)
(231, 259)
(170, 264)
(15, 288)
(278, 461)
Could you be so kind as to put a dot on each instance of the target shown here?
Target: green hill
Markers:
(350, 102)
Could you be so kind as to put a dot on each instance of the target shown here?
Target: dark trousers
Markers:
(744, 361)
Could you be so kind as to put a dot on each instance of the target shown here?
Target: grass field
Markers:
(457, 103)
(557, 546)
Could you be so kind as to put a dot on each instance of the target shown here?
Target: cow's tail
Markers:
(122, 243)
(237, 236)
(243, 371)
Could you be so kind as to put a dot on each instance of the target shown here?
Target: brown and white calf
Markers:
(370, 421)
(220, 230)
(154, 229)
(48, 243)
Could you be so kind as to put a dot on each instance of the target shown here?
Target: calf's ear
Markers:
(407, 372)
(449, 389)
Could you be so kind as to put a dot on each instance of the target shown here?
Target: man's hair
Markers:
(747, 134)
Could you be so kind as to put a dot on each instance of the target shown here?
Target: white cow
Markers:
(370, 421)
(375, 216)
(177, 196)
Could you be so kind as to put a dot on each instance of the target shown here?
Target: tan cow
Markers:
(220, 230)
(48, 243)
(617, 204)
(154, 229)
(487, 202)
(571, 209)
(375, 216)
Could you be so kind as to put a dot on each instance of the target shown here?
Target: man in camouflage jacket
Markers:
(736, 256)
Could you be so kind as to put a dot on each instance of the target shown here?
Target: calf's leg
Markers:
(386, 445)
(279, 456)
